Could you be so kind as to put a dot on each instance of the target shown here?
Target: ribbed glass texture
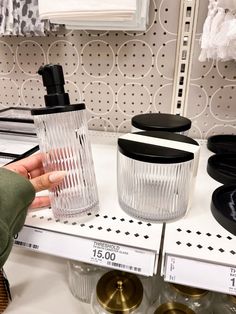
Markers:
(65, 146)
(152, 191)
(83, 279)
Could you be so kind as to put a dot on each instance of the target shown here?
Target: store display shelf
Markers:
(197, 250)
(108, 237)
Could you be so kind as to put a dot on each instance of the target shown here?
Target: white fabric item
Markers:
(77, 8)
(138, 23)
(212, 9)
(227, 4)
(215, 27)
(218, 41)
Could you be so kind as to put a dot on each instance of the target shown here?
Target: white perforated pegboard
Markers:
(117, 74)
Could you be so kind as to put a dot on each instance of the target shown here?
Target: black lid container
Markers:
(156, 174)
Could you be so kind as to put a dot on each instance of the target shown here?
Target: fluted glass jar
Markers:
(198, 300)
(225, 304)
(152, 287)
(156, 174)
(82, 279)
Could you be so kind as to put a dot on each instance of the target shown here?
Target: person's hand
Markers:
(32, 168)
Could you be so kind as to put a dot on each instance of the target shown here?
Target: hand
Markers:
(32, 169)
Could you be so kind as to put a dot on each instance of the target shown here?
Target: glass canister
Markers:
(82, 279)
(119, 293)
(161, 122)
(173, 308)
(64, 142)
(156, 174)
(225, 304)
(197, 300)
(151, 287)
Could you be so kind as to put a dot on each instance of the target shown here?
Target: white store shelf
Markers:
(135, 243)
(197, 250)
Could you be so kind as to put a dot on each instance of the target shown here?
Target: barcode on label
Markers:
(131, 268)
(28, 245)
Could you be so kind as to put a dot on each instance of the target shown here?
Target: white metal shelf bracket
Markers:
(184, 52)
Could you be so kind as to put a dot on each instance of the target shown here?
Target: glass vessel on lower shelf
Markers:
(119, 293)
(152, 287)
(83, 278)
(197, 300)
(226, 304)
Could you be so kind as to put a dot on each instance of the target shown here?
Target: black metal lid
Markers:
(225, 143)
(161, 122)
(223, 207)
(157, 147)
(222, 168)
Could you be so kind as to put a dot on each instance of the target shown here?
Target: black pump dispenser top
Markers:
(56, 100)
(53, 80)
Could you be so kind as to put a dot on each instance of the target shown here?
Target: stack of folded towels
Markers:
(97, 14)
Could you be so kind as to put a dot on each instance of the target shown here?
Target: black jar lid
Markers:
(157, 147)
(225, 143)
(161, 122)
(222, 168)
(223, 207)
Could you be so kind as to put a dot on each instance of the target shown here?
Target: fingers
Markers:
(36, 172)
(40, 201)
(30, 166)
(47, 180)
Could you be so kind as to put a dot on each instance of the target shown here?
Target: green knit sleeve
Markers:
(16, 194)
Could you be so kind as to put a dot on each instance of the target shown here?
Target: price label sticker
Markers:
(106, 254)
(200, 274)
(123, 258)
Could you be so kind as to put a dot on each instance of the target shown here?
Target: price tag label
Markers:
(200, 274)
(123, 258)
(86, 250)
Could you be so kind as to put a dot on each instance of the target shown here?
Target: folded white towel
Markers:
(138, 23)
(68, 8)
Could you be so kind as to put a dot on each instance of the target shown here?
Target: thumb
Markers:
(47, 180)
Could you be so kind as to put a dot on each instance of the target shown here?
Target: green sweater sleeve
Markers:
(16, 194)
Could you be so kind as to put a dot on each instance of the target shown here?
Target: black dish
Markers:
(222, 168)
(220, 144)
(223, 207)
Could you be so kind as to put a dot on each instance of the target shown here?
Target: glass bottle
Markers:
(64, 142)
(198, 300)
(226, 304)
(82, 279)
